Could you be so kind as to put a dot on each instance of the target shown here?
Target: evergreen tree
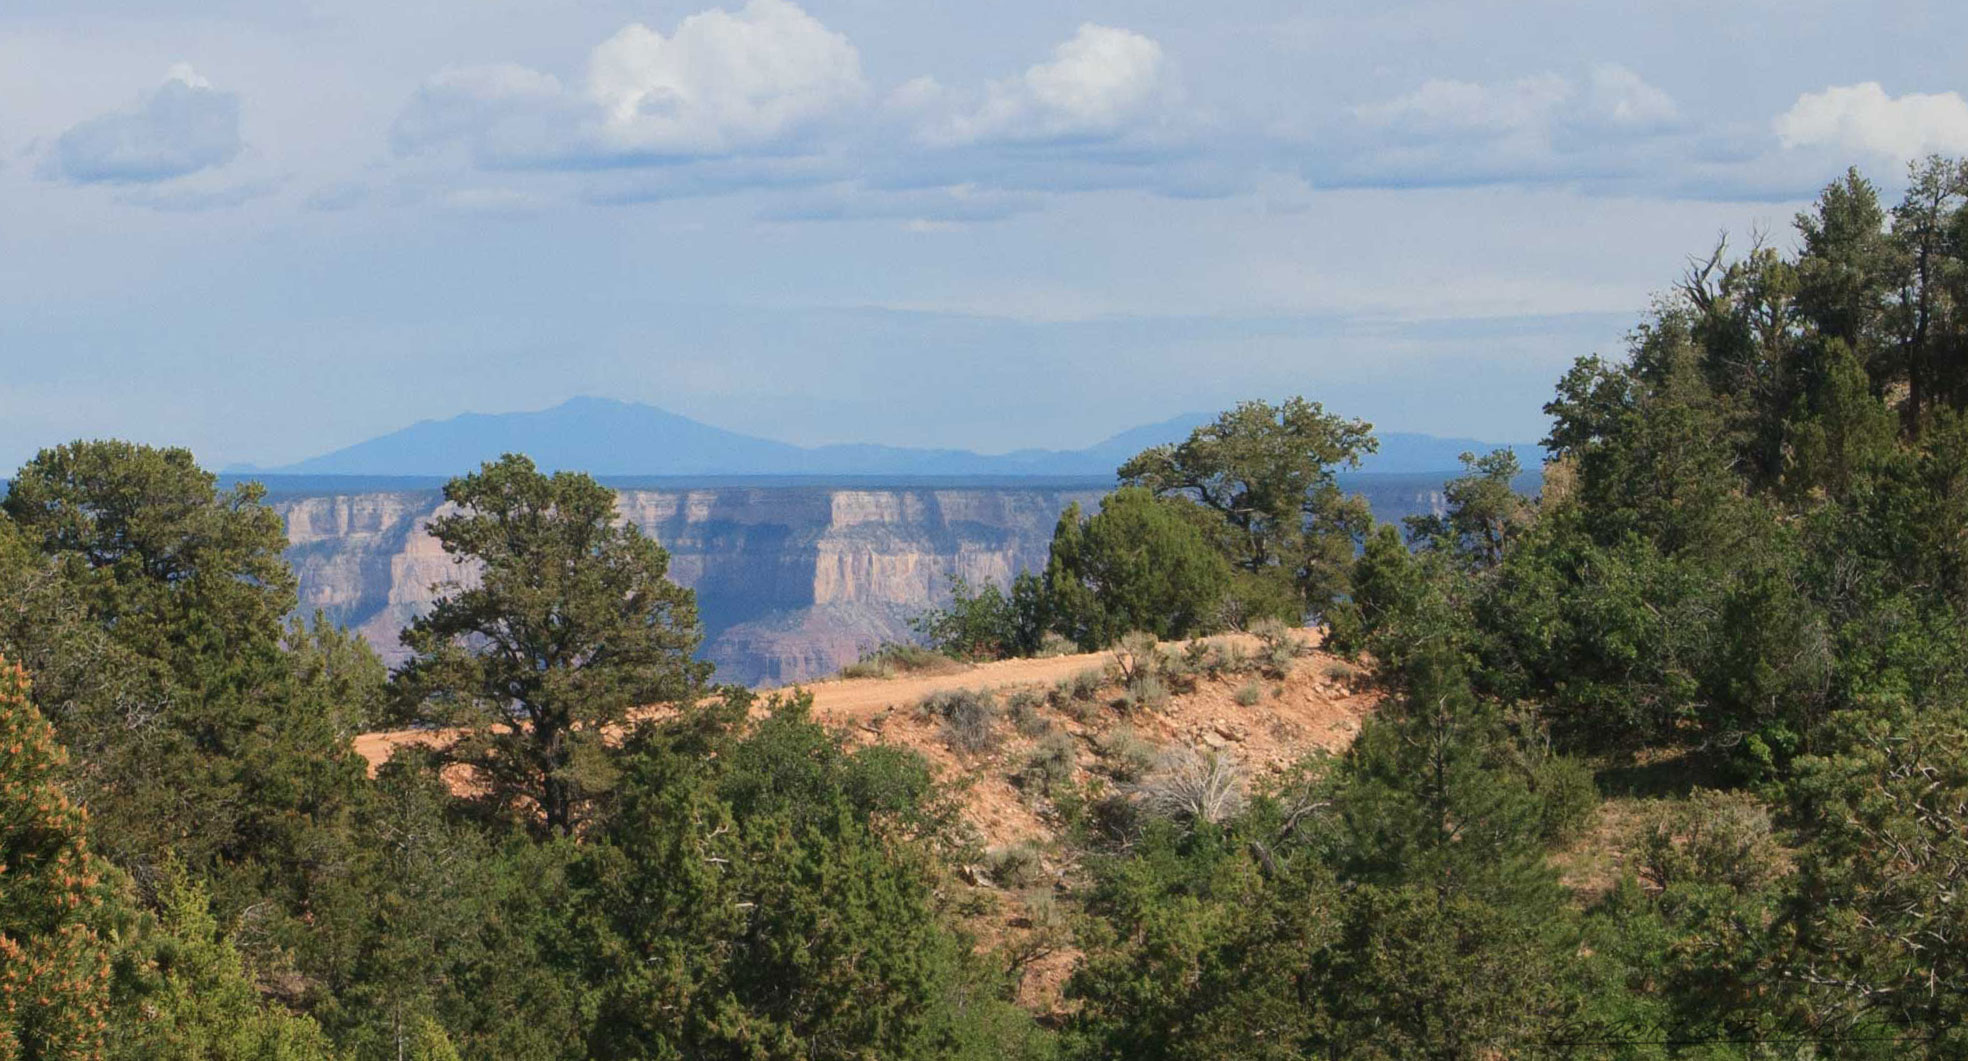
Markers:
(1485, 511)
(1925, 317)
(1264, 474)
(757, 891)
(571, 624)
(1140, 563)
(196, 1001)
(157, 603)
(54, 967)
(1844, 270)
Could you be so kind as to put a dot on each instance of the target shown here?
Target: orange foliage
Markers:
(54, 969)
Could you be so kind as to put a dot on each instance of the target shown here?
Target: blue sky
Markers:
(269, 230)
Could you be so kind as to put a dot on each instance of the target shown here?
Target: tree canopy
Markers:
(1265, 473)
(1140, 563)
(571, 624)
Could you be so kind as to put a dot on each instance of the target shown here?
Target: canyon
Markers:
(794, 578)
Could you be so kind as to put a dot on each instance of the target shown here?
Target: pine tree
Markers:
(572, 623)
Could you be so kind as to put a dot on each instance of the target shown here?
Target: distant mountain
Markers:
(614, 438)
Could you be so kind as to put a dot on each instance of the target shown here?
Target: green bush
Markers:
(987, 623)
(1712, 837)
(1140, 563)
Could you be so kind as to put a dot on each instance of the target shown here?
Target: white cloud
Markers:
(1621, 97)
(1863, 117)
(723, 83)
(1099, 83)
(183, 127)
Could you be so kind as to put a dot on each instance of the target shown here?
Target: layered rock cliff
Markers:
(792, 582)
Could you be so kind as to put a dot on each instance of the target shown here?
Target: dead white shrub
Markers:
(1192, 786)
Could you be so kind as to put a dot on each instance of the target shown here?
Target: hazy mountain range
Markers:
(615, 438)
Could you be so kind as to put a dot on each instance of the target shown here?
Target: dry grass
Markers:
(895, 660)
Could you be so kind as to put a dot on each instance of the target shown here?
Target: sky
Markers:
(266, 231)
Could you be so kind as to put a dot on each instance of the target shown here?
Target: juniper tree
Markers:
(1265, 473)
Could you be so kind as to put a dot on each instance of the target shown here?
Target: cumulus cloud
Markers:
(1864, 118)
(722, 83)
(1098, 83)
(503, 108)
(183, 127)
(1618, 96)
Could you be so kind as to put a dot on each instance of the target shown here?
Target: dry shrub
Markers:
(1145, 692)
(1229, 659)
(1023, 707)
(1137, 654)
(1278, 647)
(1340, 672)
(969, 717)
(1053, 644)
(1126, 755)
(1191, 786)
(1049, 766)
(1079, 695)
(1250, 693)
(894, 658)
(1015, 865)
(1046, 930)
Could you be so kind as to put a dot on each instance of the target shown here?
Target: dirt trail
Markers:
(853, 700)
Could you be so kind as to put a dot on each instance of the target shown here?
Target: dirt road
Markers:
(843, 701)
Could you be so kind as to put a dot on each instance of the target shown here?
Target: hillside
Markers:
(1056, 728)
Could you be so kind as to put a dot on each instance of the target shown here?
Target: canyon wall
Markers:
(792, 581)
